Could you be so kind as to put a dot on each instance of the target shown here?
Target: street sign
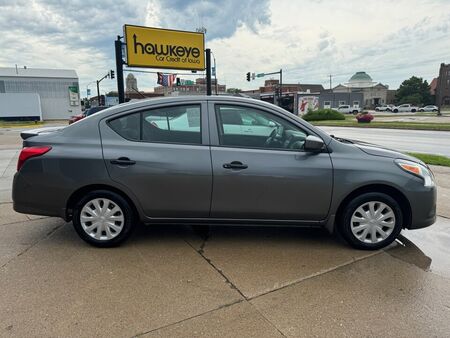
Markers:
(163, 48)
(260, 75)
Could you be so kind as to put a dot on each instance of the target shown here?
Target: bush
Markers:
(364, 117)
(322, 115)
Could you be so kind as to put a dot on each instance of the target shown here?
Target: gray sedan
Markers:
(218, 160)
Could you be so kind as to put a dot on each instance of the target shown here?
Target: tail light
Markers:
(29, 152)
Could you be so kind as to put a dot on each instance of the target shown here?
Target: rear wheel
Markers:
(395, 110)
(371, 221)
(103, 218)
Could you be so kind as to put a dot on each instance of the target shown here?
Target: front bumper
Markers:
(423, 207)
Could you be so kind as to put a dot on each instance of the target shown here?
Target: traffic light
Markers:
(248, 76)
(111, 74)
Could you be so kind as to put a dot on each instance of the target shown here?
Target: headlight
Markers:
(417, 170)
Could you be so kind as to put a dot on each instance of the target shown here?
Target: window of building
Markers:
(341, 103)
(177, 124)
(327, 104)
(246, 127)
(355, 103)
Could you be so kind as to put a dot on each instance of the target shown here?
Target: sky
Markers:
(391, 40)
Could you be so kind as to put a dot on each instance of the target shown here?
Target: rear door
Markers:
(162, 155)
(259, 175)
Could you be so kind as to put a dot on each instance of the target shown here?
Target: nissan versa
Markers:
(222, 160)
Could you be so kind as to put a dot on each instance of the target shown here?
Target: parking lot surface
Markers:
(196, 281)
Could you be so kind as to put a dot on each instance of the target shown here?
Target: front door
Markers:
(162, 157)
(260, 170)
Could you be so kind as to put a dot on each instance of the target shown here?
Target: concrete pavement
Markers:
(179, 281)
(419, 141)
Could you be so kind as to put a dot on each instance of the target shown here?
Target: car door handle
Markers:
(123, 161)
(235, 165)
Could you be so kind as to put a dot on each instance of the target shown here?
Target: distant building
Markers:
(38, 93)
(374, 94)
(131, 83)
(189, 87)
(443, 86)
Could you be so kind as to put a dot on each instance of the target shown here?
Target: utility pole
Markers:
(330, 81)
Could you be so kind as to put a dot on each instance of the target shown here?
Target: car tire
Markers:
(413, 110)
(395, 110)
(435, 110)
(359, 229)
(112, 214)
(355, 112)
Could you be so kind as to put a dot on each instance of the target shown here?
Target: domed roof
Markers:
(360, 77)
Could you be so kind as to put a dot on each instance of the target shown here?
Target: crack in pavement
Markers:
(228, 281)
(47, 235)
(192, 317)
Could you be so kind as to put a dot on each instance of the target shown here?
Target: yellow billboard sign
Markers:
(164, 48)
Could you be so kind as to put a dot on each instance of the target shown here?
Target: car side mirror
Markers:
(313, 143)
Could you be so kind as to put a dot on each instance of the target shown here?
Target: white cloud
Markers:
(391, 40)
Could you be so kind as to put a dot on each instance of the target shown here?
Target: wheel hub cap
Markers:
(372, 222)
(102, 219)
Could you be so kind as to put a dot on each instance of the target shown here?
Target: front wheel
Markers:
(103, 218)
(371, 221)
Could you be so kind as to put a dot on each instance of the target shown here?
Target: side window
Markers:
(127, 126)
(247, 127)
(177, 124)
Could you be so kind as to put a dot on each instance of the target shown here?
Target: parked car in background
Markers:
(347, 109)
(384, 107)
(429, 108)
(87, 112)
(405, 108)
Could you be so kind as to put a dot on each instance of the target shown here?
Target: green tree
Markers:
(233, 90)
(415, 91)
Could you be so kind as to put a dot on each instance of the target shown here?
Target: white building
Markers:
(34, 93)
(374, 93)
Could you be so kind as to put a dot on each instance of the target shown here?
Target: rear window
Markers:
(176, 124)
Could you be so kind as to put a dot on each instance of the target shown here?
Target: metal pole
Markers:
(98, 92)
(281, 87)
(215, 73)
(208, 72)
(119, 70)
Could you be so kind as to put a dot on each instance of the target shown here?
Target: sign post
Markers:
(208, 72)
(119, 69)
(149, 47)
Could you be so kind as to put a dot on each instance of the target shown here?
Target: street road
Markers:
(419, 141)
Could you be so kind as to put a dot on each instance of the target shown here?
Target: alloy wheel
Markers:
(372, 222)
(102, 219)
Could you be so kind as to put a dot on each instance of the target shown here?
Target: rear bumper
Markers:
(34, 199)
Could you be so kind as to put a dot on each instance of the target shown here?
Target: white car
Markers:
(384, 107)
(405, 108)
(347, 109)
(429, 108)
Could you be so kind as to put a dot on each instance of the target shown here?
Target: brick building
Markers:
(443, 86)
(188, 87)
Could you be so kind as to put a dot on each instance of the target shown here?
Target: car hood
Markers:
(376, 150)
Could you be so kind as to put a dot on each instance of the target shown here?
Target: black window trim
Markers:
(141, 113)
(219, 128)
